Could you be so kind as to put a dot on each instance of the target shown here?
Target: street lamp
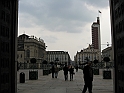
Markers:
(107, 73)
(56, 61)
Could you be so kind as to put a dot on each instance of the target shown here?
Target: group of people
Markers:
(55, 71)
(88, 75)
(66, 69)
(71, 71)
(87, 71)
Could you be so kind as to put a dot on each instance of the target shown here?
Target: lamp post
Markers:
(107, 72)
(33, 75)
(56, 61)
(96, 70)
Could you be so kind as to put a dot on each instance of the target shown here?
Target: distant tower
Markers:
(96, 39)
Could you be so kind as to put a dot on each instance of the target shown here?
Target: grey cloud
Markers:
(26, 21)
(50, 39)
(98, 3)
(56, 15)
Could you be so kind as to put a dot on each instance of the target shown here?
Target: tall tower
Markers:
(8, 45)
(96, 39)
(117, 30)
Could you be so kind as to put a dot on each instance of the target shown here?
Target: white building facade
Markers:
(61, 57)
(107, 52)
(87, 54)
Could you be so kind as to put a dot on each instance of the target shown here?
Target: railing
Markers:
(33, 66)
(100, 65)
(103, 65)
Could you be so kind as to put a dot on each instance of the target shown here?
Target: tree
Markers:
(45, 62)
(95, 61)
(33, 60)
(106, 59)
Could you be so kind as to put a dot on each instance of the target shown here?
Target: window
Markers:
(7, 32)
(8, 4)
(17, 56)
(28, 53)
(122, 8)
(8, 18)
(3, 15)
(3, 3)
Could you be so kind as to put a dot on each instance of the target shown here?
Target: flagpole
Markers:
(98, 13)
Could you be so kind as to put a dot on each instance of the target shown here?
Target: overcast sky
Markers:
(64, 24)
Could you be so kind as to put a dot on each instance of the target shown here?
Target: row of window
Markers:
(53, 58)
(4, 47)
(86, 54)
(57, 52)
(4, 63)
(5, 16)
(120, 43)
(28, 54)
(4, 31)
(90, 57)
(6, 3)
(119, 11)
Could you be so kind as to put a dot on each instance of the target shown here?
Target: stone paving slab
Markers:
(45, 84)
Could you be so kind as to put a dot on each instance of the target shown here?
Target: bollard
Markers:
(22, 77)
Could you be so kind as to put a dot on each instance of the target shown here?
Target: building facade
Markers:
(8, 43)
(31, 47)
(89, 53)
(117, 30)
(107, 52)
(62, 57)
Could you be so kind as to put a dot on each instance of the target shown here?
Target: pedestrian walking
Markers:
(65, 69)
(71, 70)
(88, 77)
(56, 71)
(76, 68)
(53, 71)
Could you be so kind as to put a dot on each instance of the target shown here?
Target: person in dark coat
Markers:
(53, 71)
(65, 69)
(76, 68)
(88, 77)
(71, 70)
